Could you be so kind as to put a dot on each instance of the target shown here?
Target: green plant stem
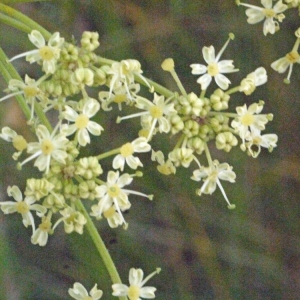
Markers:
(13, 23)
(28, 24)
(109, 153)
(94, 234)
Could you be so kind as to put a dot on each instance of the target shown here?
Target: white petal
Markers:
(204, 81)
(254, 15)
(198, 69)
(209, 54)
(83, 137)
(222, 81)
(91, 107)
(36, 38)
(94, 128)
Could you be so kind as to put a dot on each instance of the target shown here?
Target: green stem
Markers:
(107, 260)
(109, 153)
(13, 23)
(28, 24)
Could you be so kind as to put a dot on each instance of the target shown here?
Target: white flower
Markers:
(48, 54)
(118, 96)
(136, 289)
(112, 193)
(249, 118)
(17, 140)
(79, 292)
(214, 68)
(137, 146)
(40, 236)
(22, 207)
(288, 61)
(49, 146)
(211, 176)
(256, 14)
(123, 74)
(255, 140)
(82, 124)
(155, 111)
(109, 212)
(254, 79)
(164, 167)
(73, 220)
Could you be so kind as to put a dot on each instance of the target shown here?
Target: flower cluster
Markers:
(272, 15)
(196, 121)
(135, 291)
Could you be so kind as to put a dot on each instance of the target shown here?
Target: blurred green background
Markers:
(205, 250)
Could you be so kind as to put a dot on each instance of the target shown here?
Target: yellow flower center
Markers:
(114, 191)
(247, 119)
(22, 207)
(292, 57)
(127, 150)
(257, 140)
(87, 298)
(120, 98)
(30, 91)
(46, 53)
(45, 225)
(164, 169)
(47, 147)
(156, 112)
(19, 143)
(134, 292)
(212, 69)
(109, 213)
(82, 121)
(269, 12)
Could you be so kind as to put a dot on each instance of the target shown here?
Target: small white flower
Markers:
(214, 68)
(155, 111)
(47, 53)
(288, 61)
(211, 176)
(255, 140)
(164, 167)
(22, 207)
(40, 236)
(136, 289)
(73, 220)
(139, 145)
(118, 96)
(82, 123)
(254, 79)
(123, 74)
(79, 292)
(49, 146)
(18, 141)
(113, 193)
(249, 118)
(257, 14)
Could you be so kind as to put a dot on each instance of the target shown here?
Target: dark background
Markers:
(205, 250)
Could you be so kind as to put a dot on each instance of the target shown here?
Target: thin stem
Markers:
(28, 23)
(107, 260)
(109, 153)
(13, 23)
